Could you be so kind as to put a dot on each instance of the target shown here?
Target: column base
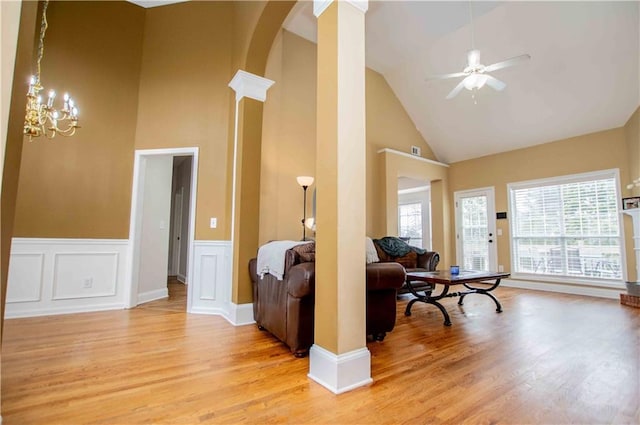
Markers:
(340, 373)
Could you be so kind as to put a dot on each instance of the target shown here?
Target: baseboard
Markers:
(591, 291)
(157, 294)
(18, 314)
(237, 315)
(340, 373)
(240, 314)
(181, 278)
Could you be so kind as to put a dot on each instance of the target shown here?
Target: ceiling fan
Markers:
(476, 74)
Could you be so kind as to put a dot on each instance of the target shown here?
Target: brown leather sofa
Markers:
(412, 262)
(286, 308)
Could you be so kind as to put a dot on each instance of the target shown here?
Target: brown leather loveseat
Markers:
(411, 261)
(285, 307)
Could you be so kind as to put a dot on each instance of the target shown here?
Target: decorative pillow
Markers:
(372, 254)
(409, 260)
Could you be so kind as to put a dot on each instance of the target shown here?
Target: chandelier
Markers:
(42, 118)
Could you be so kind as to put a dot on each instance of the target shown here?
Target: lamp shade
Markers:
(305, 181)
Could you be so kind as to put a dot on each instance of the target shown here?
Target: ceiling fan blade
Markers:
(445, 76)
(456, 90)
(494, 83)
(506, 63)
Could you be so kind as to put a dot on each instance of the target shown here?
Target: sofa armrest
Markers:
(385, 276)
(428, 261)
(253, 265)
(300, 279)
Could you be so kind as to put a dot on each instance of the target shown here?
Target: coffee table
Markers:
(446, 279)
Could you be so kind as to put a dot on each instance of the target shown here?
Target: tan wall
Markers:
(591, 152)
(80, 187)
(184, 97)
(632, 135)
(289, 137)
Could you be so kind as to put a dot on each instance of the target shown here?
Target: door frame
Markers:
(135, 221)
(491, 222)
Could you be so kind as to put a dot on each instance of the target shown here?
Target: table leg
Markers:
(428, 299)
(474, 290)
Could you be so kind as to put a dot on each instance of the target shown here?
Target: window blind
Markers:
(567, 227)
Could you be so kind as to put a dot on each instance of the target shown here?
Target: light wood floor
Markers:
(548, 358)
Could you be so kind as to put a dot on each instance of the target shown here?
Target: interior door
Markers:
(476, 244)
(177, 231)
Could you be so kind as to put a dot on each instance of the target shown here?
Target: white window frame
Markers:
(559, 180)
(421, 194)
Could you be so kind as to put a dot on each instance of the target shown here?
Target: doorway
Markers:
(414, 212)
(476, 246)
(153, 225)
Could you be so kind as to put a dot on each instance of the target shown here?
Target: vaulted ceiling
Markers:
(583, 75)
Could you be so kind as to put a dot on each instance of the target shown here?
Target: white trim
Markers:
(414, 190)
(417, 158)
(135, 227)
(16, 242)
(612, 292)
(157, 294)
(319, 6)
(240, 314)
(181, 278)
(340, 373)
(567, 178)
(250, 85)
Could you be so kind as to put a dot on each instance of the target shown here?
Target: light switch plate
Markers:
(213, 223)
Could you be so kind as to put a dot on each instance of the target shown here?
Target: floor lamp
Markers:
(304, 182)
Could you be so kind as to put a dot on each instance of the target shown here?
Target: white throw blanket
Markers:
(271, 257)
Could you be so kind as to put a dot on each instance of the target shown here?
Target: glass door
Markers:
(476, 230)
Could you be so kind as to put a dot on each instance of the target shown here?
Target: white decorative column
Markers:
(249, 88)
(339, 359)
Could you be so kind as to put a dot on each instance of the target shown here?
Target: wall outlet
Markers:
(88, 283)
(500, 268)
(213, 223)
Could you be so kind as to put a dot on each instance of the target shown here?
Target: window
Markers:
(410, 223)
(567, 226)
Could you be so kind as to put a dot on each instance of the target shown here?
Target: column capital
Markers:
(250, 85)
(320, 6)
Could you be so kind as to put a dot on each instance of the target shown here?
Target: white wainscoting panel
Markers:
(211, 290)
(26, 273)
(59, 276)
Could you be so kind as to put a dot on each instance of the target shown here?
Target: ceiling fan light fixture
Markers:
(475, 81)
